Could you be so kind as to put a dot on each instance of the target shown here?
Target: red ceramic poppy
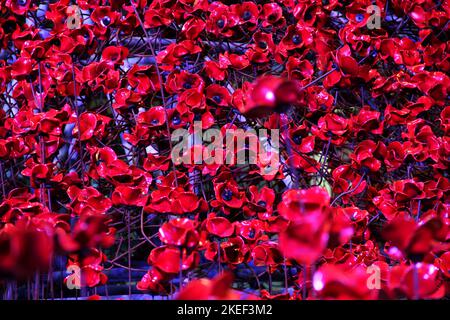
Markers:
(234, 251)
(92, 93)
(169, 260)
(339, 282)
(307, 202)
(25, 249)
(269, 94)
(419, 281)
(179, 232)
(207, 289)
(154, 281)
(414, 239)
(219, 226)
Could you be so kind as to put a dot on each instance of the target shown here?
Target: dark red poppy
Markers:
(267, 95)
(267, 254)
(419, 281)
(218, 95)
(250, 230)
(272, 14)
(228, 194)
(219, 226)
(332, 127)
(25, 250)
(130, 196)
(174, 54)
(192, 28)
(115, 55)
(343, 283)
(357, 120)
(179, 232)
(155, 281)
(407, 235)
(297, 204)
(218, 288)
(154, 117)
(234, 251)
(367, 155)
(19, 7)
(179, 81)
(246, 13)
(305, 240)
(260, 202)
(169, 260)
(220, 20)
(347, 181)
(144, 79)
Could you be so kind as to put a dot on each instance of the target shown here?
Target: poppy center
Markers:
(297, 139)
(247, 15)
(272, 17)
(155, 121)
(325, 2)
(176, 120)
(359, 17)
(187, 85)
(22, 2)
(106, 21)
(220, 23)
(227, 195)
(296, 39)
(262, 45)
(251, 233)
(365, 170)
(261, 203)
(217, 98)
(114, 57)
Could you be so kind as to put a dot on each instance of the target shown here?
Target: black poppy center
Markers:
(176, 120)
(297, 139)
(296, 39)
(247, 15)
(106, 21)
(220, 23)
(262, 44)
(227, 195)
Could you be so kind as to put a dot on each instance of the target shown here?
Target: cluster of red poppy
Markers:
(358, 209)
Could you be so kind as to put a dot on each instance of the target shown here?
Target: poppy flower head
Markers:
(269, 94)
(179, 232)
(349, 104)
(307, 202)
